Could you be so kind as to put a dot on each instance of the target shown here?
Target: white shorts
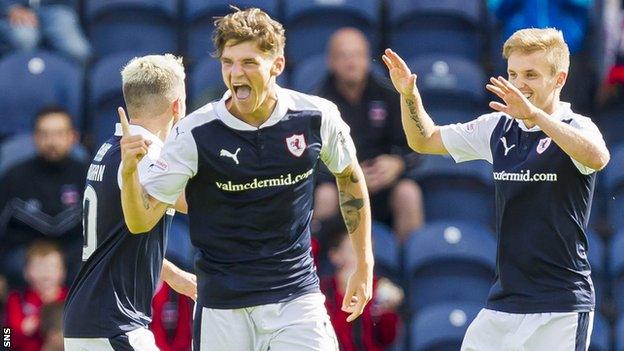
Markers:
(500, 331)
(137, 340)
(298, 325)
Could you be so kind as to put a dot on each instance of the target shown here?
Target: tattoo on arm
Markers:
(350, 207)
(414, 116)
(145, 198)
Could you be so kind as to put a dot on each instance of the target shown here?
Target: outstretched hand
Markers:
(133, 147)
(516, 104)
(403, 79)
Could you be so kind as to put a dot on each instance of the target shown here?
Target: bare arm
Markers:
(355, 208)
(422, 134)
(183, 282)
(575, 143)
(141, 211)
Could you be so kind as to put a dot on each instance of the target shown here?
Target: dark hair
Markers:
(52, 109)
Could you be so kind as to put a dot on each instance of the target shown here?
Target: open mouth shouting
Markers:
(242, 91)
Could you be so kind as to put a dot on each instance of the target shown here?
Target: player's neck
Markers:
(257, 117)
(159, 126)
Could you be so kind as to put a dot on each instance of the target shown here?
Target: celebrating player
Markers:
(545, 159)
(247, 163)
(109, 304)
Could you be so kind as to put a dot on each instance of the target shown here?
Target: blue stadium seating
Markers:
(619, 334)
(467, 185)
(596, 255)
(616, 269)
(307, 36)
(611, 123)
(141, 25)
(442, 327)
(105, 94)
(33, 80)
(614, 177)
(199, 18)
(18, 148)
(601, 336)
(386, 250)
(433, 26)
(453, 88)
(449, 261)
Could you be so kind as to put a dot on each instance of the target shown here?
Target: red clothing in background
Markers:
(368, 332)
(20, 306)
(172, 320)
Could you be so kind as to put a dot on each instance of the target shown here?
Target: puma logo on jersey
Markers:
(233, 156)
(505, 145)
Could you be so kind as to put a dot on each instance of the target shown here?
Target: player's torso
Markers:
(113, 290)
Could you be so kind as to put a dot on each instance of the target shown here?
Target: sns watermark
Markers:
(6, 337)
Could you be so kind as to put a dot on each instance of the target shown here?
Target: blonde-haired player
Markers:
(545, 159)
(109, 304)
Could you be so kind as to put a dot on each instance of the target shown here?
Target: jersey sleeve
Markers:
(338, 150)
(471, 140)
(587, 126)
(166, 178)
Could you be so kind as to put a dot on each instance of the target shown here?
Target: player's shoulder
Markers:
(201, 116)
(302, 101)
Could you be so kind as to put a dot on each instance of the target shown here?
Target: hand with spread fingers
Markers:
(133, 147)
(403, 79)
(358, 293)
(516, 104)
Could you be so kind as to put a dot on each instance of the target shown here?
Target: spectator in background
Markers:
(372, 111)
(172, 319)
(25, 24)
(52, 327)
(572, 18)
(41, 197)
(379, 323)
(45, 275)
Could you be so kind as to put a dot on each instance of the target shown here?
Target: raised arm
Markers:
(422, 134)
(141, 211)
(355, 208)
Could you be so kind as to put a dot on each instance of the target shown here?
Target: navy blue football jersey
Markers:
(250, 195)
(543, 200)
(113, 291)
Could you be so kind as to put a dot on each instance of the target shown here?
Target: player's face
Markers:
(532, 75)
(45, 272)
(54, 136)
(249, 73)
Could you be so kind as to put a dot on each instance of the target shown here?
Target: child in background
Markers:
(45, 274)
(378, 326)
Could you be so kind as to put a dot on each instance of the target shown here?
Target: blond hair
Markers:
(251, 24)
(151, 83)
(549, 40)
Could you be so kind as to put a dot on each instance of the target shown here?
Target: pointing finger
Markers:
(125, 126)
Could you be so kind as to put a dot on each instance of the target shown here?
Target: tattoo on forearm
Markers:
(414, 116)
(145, 198)
(350, 207)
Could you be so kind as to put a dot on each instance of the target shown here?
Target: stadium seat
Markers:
(453, 88)
(33, 80)
(436, 27)
(596, 255)
(601, 336)
(308, 36)
(442, 327)
(18, 148)
(616, 269)
(105, 94)
(386, 251)
(466, 185)
(179, 248)
(199, 16)
(611, 124)
(614, 177)
(619, 334)
(141, 25)
(449, 261)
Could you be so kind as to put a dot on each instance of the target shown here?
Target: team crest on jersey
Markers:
(543, 145)
(296, 144)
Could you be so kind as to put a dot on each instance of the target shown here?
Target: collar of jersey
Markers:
(138, 130)
(562, 112)
(283, 104)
